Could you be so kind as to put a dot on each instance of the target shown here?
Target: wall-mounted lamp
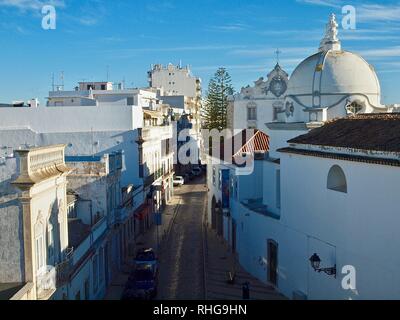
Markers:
(316, 263)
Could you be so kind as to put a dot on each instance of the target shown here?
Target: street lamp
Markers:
(316, 263)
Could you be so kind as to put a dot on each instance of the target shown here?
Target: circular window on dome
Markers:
(354, 108)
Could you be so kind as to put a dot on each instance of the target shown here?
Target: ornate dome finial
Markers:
(331, 40)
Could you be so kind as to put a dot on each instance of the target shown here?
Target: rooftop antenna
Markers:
(277, 52)
(52, 81)
(108, 73)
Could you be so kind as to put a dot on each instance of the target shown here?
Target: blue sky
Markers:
(130, 35)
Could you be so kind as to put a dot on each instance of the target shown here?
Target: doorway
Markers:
(273, 262)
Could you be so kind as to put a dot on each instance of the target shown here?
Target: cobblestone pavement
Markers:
(220, 261)
(147, 240)
(182, 257)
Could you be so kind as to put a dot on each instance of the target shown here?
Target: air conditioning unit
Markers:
(299, 295)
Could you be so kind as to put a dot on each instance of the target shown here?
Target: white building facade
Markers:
(329, 192)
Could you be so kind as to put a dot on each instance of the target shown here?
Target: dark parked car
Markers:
(142, 283)
(146, 256)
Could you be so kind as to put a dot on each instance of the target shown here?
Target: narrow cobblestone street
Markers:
(182, 257)
(194, 261)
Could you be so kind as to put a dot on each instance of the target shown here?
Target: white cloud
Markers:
(269, 51)
(324, 3)
(231, 27)
(389, 52)
(378, 12)
(31, 5)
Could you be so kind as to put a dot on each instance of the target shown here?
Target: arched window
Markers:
(337, 179)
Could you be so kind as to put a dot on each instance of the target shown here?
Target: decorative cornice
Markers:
(39, 164)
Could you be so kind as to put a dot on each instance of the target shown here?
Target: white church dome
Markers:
(332, 75)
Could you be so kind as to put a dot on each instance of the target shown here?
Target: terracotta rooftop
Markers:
(247, 141)
(378, 132)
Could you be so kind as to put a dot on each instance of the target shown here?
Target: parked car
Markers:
(146, 257)
(179, 181)
(142, 283)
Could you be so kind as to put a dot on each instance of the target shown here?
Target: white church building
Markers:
(322, 221)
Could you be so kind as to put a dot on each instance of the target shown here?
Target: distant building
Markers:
(102, 93)
(174, 80)
(179, 88)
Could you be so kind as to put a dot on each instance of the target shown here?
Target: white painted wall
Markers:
(279, 139)
(72, 119)
(265, 113)
(359, 228)
(174, 81)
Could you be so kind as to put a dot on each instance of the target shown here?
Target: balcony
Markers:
(63, 270)
(46, 283)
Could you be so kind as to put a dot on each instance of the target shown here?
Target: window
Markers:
(252, 112)
(39, 247)
(354, 108)
(103, 87)
(337, 180)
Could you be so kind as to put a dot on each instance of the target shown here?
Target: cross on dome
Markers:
(277, 52)
(331, 40)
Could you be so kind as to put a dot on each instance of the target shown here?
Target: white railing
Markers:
(46, 283)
